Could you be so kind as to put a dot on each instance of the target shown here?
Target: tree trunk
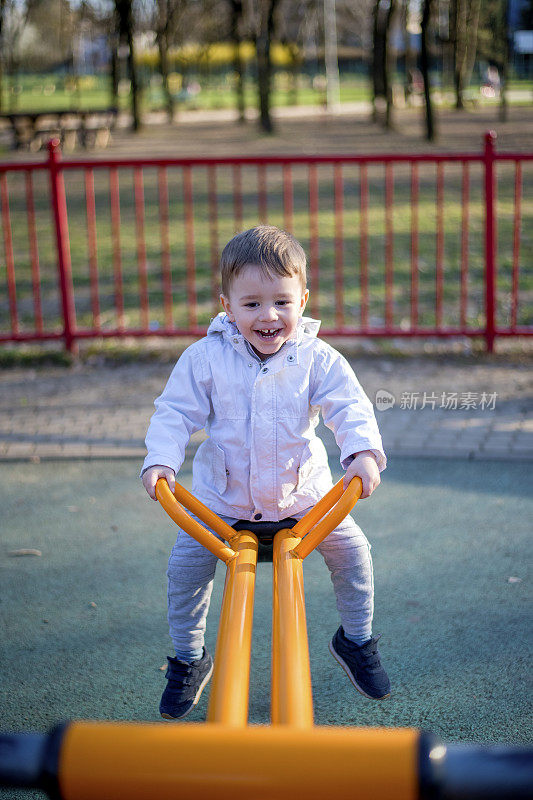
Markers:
(388, 67)
(235, 35)
(136, 123)
(2, 51)
(459, 11)
(382, 60)
(474, 8)
(472, 29)
(504, 67)
(264, 65)
(424, 67)
(376, 62)
(162, 42)
(124, 14)
(114, 65)
(331, 58)
(409, 60)
(465, 22)
(295, 67)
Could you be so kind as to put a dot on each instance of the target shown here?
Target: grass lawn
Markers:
(59, 93)
(62, 92)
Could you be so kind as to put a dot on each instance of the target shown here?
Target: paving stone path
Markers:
(425, 406)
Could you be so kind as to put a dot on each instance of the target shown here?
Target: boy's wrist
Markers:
(365, 453)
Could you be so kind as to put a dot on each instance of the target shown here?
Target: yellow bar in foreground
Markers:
(228, 701)
(291, 697)
(113, 761)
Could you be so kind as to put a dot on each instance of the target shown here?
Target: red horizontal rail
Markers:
(193, 161)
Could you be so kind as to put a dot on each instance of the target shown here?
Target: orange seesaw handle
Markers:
(177, 512)
(340, 502)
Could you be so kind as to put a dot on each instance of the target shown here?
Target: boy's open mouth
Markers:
(268, 333)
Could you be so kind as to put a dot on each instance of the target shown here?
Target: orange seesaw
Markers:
(291, 694)
(225, 758)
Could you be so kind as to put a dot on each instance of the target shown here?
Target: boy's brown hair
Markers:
(274, 250)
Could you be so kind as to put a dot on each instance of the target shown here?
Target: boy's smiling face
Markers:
(265, 310)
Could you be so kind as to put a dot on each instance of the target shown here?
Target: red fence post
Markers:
(490, 242)
(59, 211)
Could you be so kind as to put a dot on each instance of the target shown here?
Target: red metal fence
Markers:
(398, 245)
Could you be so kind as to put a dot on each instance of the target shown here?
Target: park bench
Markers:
(32, 130)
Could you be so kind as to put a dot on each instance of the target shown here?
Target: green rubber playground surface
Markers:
(84, 626)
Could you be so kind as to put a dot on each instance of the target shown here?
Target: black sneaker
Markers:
(362, 665)
(186, 683)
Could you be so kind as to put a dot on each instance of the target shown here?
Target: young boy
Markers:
(256, 383)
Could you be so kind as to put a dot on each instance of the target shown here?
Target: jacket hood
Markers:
(222, 325)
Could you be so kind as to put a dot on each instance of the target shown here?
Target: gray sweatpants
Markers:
(191, 570)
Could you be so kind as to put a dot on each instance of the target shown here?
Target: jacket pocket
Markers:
(305, 467)
(220, 471)
(210, 463)
(312, 462)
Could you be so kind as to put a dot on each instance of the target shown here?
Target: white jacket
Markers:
(262, 458)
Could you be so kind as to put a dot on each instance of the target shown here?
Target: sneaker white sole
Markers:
(196, 699)
(348, 671)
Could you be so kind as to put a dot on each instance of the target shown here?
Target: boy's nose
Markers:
(269, 313)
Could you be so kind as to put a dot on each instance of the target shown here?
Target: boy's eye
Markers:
(254, 303)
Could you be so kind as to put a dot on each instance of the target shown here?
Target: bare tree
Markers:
(407, 49)
(389, 61)
(504, 62)
(298, 25)
(3, 4)
(494, 43)
(238, 67)
(383, 13)
(464, 22)
(264, 28)
(427, 9)
(124, 20)
(169, 14)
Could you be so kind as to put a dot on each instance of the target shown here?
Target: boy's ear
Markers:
(303, 301)
(227, 308)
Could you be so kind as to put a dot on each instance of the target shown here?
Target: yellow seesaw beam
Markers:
(228, 699)
(110, 761)
(291, 689)
(291, 692)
